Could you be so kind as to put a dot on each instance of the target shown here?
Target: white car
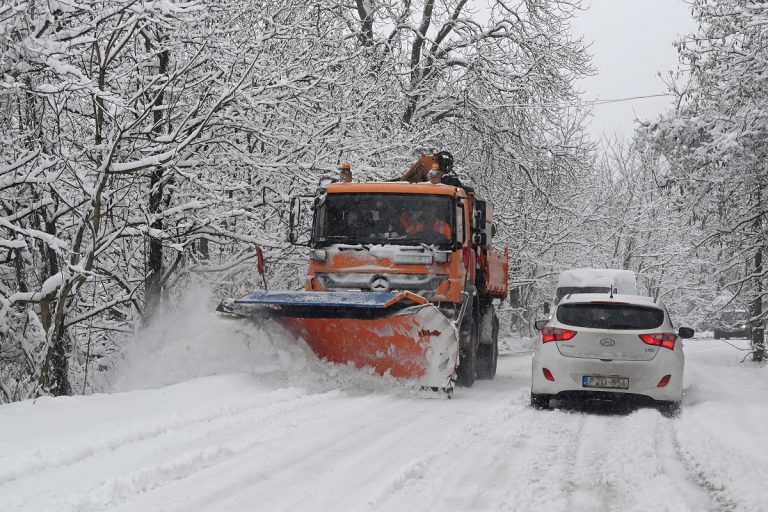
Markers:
(603, 346)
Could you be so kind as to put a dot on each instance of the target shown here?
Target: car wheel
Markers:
(540, 400)
(669, 409)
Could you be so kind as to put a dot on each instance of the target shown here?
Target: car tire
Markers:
(540, 400)
(669, 409)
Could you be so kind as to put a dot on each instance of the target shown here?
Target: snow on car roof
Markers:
(623, 280)
(582, 276)
(639, 300)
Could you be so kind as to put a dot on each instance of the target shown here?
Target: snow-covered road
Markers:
(258, 440)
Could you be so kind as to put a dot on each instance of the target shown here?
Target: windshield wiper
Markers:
(341, 239)
(401, 239)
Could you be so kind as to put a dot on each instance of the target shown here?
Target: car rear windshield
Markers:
(610, 316)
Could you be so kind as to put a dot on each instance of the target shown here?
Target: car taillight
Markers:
(548, 374)
(665, 339)
(556, 334)
(664, 381)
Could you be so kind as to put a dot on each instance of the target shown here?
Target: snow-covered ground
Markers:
(275, 429)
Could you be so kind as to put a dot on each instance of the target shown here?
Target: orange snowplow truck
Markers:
(402, 278)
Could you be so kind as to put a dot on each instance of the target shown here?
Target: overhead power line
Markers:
(630, 98)
(588, 103)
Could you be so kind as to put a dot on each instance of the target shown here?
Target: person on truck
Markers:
(428, 224)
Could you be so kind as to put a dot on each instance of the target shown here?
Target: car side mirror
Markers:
(685, 332)
(547, 308)
(540, 324)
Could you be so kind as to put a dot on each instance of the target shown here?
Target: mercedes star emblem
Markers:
(379, 284)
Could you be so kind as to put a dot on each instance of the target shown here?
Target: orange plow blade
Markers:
(397, 333)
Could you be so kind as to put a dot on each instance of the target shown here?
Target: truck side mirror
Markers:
(479, 214)
(481, 238)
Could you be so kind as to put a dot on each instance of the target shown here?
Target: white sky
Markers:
(631, 43)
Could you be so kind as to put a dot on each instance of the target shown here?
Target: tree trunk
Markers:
(153, 287)
(758, 332)
(59, 384)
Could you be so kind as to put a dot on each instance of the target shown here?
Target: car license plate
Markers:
(599, 381)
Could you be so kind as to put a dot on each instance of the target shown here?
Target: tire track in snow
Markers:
(707, 462)
(716, 500)
(114, 490)
(36, 461)
(319, 455)
(628, 463)
(507, 459)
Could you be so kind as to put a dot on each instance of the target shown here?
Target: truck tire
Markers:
(488, 353)
(470, 333)
(467, 372)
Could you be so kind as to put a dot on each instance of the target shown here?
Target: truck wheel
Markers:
(467, 371)
(488, 354)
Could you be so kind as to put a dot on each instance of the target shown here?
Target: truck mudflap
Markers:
(397, 333)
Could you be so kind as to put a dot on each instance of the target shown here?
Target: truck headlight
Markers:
(318, 254)
(442, 256)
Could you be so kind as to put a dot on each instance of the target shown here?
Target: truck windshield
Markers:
(403, 219)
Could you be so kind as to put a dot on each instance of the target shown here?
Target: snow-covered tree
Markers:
(715, 143)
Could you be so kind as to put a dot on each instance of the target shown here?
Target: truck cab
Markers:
(427, 238)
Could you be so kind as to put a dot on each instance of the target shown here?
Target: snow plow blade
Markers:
(399, 333)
